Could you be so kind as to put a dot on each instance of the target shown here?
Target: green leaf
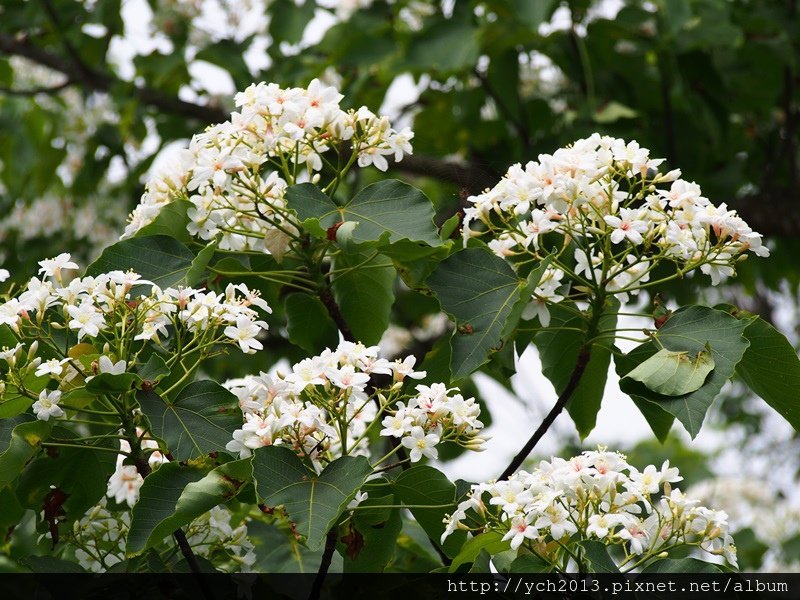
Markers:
(771, 368)
(288, 20)
(485, 297)
(308, 324)
(364, 291)
(157, 258)
(674, 373)
(597, 556)
(51, 564)
(277, 551)
(446, 47)
(11, 511)
(154, 369)
(108, 383)
(423, 485)
(199, 264)
(170, 221)
(533, 14)
(491, 541)
(558, 351)
(379, 541)
(386, 212)
(681, 565)
(689, 329)
(174, 495)
(19, 442)
(530, 563)
(314, 502)
(201, 419)
(81, 473)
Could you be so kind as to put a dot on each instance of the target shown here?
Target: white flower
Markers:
(52, 267)
(521, 530)
(105, 365)
(53, 367)
(421, 444)
(636, 535)
(244, 333)
(406, 369)
(124, 485)
(397, 425)
(47, 405)
(649, 481)
(627, 225)
(86, 318)
(4, 274)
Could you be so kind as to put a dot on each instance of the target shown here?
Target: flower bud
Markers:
(32, 350)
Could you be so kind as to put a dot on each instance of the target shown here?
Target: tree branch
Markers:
(584, 354)
(143, 467)
(327, 557)
(98, 81)
(7, 91)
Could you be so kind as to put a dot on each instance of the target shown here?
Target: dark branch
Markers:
(98, 81)
(580, 366)
(325, 564)
(143, 467)
(335, 313)
(6, 91)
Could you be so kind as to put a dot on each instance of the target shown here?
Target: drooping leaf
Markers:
(771, 368)
(423, 485)
(363, 288)
(314, 502)
(674, 373)
(485, 297)
(157, 258)
(689, 329)
(175, 494)
(201, 419)
(386, 212)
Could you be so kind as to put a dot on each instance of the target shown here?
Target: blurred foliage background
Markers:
(92, 93)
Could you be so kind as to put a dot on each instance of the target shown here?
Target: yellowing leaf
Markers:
(674, 373)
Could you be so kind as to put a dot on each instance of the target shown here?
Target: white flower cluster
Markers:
(100, 535)
(607, 197)
(235, 174)
(324, 407)
(596, 495)
(754, 503)
(93, 307)
(212, 535)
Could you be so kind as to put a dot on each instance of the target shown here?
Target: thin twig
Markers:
(584, 354)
